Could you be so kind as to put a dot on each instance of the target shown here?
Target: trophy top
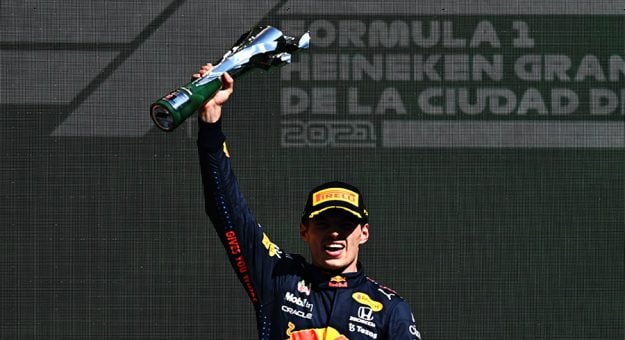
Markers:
(261, 47)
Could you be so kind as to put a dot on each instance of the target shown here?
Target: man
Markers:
(328, 299)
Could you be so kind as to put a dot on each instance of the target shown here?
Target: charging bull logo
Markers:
(338, 282)
(327, 333)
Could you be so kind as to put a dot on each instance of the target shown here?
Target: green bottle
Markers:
(173, 109)
(262, 47)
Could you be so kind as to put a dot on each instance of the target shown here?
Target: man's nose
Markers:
(334, 234)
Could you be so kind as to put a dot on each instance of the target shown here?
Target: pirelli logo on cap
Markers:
(335, 194)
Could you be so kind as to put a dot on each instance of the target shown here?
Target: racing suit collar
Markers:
(327, 280)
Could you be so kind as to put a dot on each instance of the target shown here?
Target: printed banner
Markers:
(456, 81)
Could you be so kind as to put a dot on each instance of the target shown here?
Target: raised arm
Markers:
(249, 250)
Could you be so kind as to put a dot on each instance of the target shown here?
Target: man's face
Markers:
(334, 238)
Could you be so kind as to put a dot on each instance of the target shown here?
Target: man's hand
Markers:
(211, 111)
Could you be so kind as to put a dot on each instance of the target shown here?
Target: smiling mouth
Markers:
(334, 249)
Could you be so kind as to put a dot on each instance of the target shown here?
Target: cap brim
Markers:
(319, 211)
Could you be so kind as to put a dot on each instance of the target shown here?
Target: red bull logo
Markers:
(327, 333)
(338, 282)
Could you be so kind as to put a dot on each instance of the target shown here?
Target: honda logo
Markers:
(365, 313)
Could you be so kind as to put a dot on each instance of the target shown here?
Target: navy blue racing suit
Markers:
(292, 298)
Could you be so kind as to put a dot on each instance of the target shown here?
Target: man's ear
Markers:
(364, 233)
(303, 232)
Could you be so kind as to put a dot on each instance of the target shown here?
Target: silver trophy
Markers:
(261, 48)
